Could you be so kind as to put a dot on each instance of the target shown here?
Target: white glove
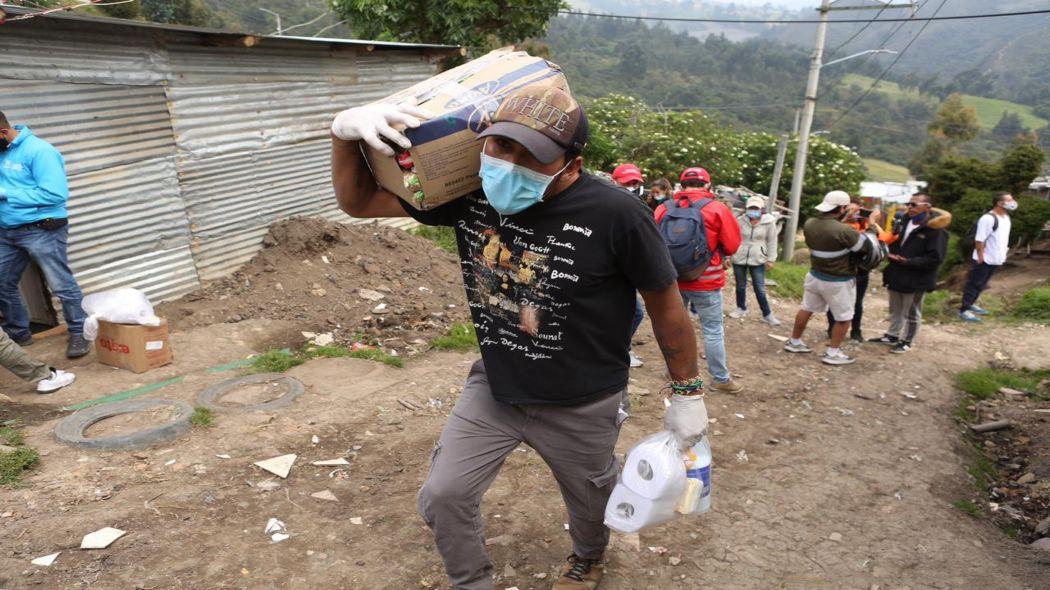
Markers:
(686, 419)
(367, 123)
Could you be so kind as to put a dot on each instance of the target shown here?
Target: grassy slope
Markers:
(883, 171)
(989, 110)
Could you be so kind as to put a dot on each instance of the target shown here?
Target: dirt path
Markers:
(846, 483)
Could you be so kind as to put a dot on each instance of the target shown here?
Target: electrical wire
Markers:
(743, 21)
(859, 30)
(888, 68)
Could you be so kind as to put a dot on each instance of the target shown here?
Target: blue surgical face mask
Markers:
(511, 188)
(754, 214)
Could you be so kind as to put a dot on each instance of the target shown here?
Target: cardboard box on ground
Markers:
(443, 163)
(133, 347)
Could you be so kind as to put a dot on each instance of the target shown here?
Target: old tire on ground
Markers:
(209, 398)
(71, 429)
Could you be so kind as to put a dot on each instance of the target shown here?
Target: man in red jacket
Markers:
(705, 293)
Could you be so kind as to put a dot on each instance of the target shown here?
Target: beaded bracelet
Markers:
(686, 386)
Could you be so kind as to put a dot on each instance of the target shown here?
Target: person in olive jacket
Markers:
(917, 249)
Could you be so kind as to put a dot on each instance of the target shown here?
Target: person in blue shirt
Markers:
(33, 226)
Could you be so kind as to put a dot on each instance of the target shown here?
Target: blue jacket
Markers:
(32, 181)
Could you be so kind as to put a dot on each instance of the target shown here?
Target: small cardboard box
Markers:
(133, 347)
(443, 163)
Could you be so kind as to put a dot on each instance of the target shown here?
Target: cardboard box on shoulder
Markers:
(443, 162)
(133, 347)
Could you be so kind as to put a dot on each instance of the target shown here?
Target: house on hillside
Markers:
(1040, 187)
(182, 144)
(887, 193)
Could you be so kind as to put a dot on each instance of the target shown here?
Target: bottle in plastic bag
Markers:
(696, 499)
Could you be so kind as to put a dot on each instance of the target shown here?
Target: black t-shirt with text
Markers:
(552, 289)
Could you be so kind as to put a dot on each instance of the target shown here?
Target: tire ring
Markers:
(71, 429)
(209, 397)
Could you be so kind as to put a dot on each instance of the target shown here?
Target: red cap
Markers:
(625, 173)
(695, 174)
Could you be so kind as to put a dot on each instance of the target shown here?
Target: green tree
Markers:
(950, 178)
(955, 122)
(1009, 126)
(476, 24)
(130, 10)
(930, 154)
(1028, 221)
(179, 12)
(662, 144)
(1019, 166)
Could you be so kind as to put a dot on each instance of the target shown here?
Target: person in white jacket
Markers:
(754, 257)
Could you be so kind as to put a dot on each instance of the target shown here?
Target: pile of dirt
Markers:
(357, 282)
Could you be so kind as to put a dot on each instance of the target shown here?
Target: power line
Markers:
(859, 31)
(743, 21)
(888, 68)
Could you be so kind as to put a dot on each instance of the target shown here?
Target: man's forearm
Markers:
(979, 247)
(351, 178)
(674, 332)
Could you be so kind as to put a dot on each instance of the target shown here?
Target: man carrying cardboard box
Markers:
(551, 260)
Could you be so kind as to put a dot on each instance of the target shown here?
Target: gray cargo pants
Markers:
(905, 314)
(14, 359)
(576, 442)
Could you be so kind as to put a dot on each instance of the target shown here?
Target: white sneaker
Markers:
(837, 359)
(738, 313)
(635, 361)
(56, 381)
(771, 320)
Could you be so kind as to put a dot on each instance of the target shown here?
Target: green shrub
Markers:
(458, 337)
(13, 463)
(952, 258)
(968, 507)
(1034, 306)
(935, 305)
(374, 354)
(274, 361)
(789, 279)
(203, 417)
(10, 436)
(984, 383)
(443, 236)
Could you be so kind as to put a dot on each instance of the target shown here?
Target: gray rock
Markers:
(1026, 478)
(1044, 526)
(1043, 544)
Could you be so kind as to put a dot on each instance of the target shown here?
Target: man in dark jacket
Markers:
(918, 246)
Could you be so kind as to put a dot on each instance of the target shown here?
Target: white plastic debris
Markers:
(276, 530)
(314, 439)
(101, 538)
(279, 466)
(325, 495)
(356, 520)
(324, 339)
(742, 456)
(46, 560)
(329, 462)
(224, 456)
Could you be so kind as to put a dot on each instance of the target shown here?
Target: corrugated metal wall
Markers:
(180, 154)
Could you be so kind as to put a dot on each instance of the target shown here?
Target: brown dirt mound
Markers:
(312, 271)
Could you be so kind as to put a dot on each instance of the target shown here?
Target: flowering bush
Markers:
(662, 144)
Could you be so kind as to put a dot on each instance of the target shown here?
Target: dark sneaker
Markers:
(837, 359)
(78, 346)
(27, 341)
(856, 336)
(800, 347)
(579, 574)
(884, 339)
(901, 347)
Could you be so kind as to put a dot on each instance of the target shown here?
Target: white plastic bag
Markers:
(120, 306)
(649, 487)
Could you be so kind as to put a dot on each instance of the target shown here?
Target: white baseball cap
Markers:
(756, 202)
(832, 200)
